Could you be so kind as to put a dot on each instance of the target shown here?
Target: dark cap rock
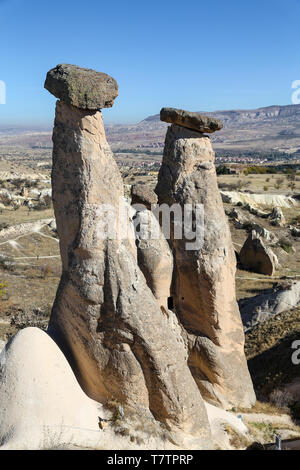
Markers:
(195, 121)
(83, 88)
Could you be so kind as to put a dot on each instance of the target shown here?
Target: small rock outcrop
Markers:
(255, 211)
(196, 121)
(295, 232)
(105, 317)
(256, 200)
(257, 257)
(267, 235)
(241, 221)
(142, 194)
(277, 218)
(271, 302)
(203, 288)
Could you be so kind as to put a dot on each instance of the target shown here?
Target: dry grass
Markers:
(264, 407)
(31, 275)
(23, 215)
(269, 353)
(256, 183)
(265, 432)
(137, 424)
(236, 439)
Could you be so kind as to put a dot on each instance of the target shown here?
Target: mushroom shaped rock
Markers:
(82, 88)
(196, 121)
(105, 318)
(204, 270)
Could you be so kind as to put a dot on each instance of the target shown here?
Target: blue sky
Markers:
(192, 54)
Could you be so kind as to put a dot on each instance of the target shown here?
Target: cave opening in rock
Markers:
(170, 303)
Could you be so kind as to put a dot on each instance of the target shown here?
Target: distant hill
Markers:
(273, 129)
(235, 118)
(269, 129)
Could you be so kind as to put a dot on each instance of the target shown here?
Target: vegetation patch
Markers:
(269, 352)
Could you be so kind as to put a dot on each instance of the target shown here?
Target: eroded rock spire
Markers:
(105, 317)
(204, 277)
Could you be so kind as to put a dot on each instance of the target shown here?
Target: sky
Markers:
(192, 54)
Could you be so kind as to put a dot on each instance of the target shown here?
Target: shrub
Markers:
(281, 399)
(36, 317)
(6, 263)
(223, 170)
(286, 245)
(3, 286)
(279, 182)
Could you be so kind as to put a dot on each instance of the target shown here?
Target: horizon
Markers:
(199, 59)
(48, 127)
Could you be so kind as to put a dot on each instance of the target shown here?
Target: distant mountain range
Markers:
(273, 128)
(265, 130)
(236, 118)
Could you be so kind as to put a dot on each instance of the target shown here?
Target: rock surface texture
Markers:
(258, 257)
(204, 279)
(195, 121)
(142, 194)
(154, 256)
(277, 217)
(120, 343)
(261, 307)
(42, 404)
(147, 322)
(83, 88)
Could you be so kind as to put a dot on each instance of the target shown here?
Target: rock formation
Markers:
(256, 256)
(42, 404)
(83, 88)
(277, 218)
(267, 235)
(154, 256)
(195, 121)
(256, 200)
(271, 302)
(145, 319)
(203, 287)
(142, 194)
(105, 318)
(295, 232)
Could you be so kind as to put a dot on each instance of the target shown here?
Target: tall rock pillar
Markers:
(204, 277)
(106, 319)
